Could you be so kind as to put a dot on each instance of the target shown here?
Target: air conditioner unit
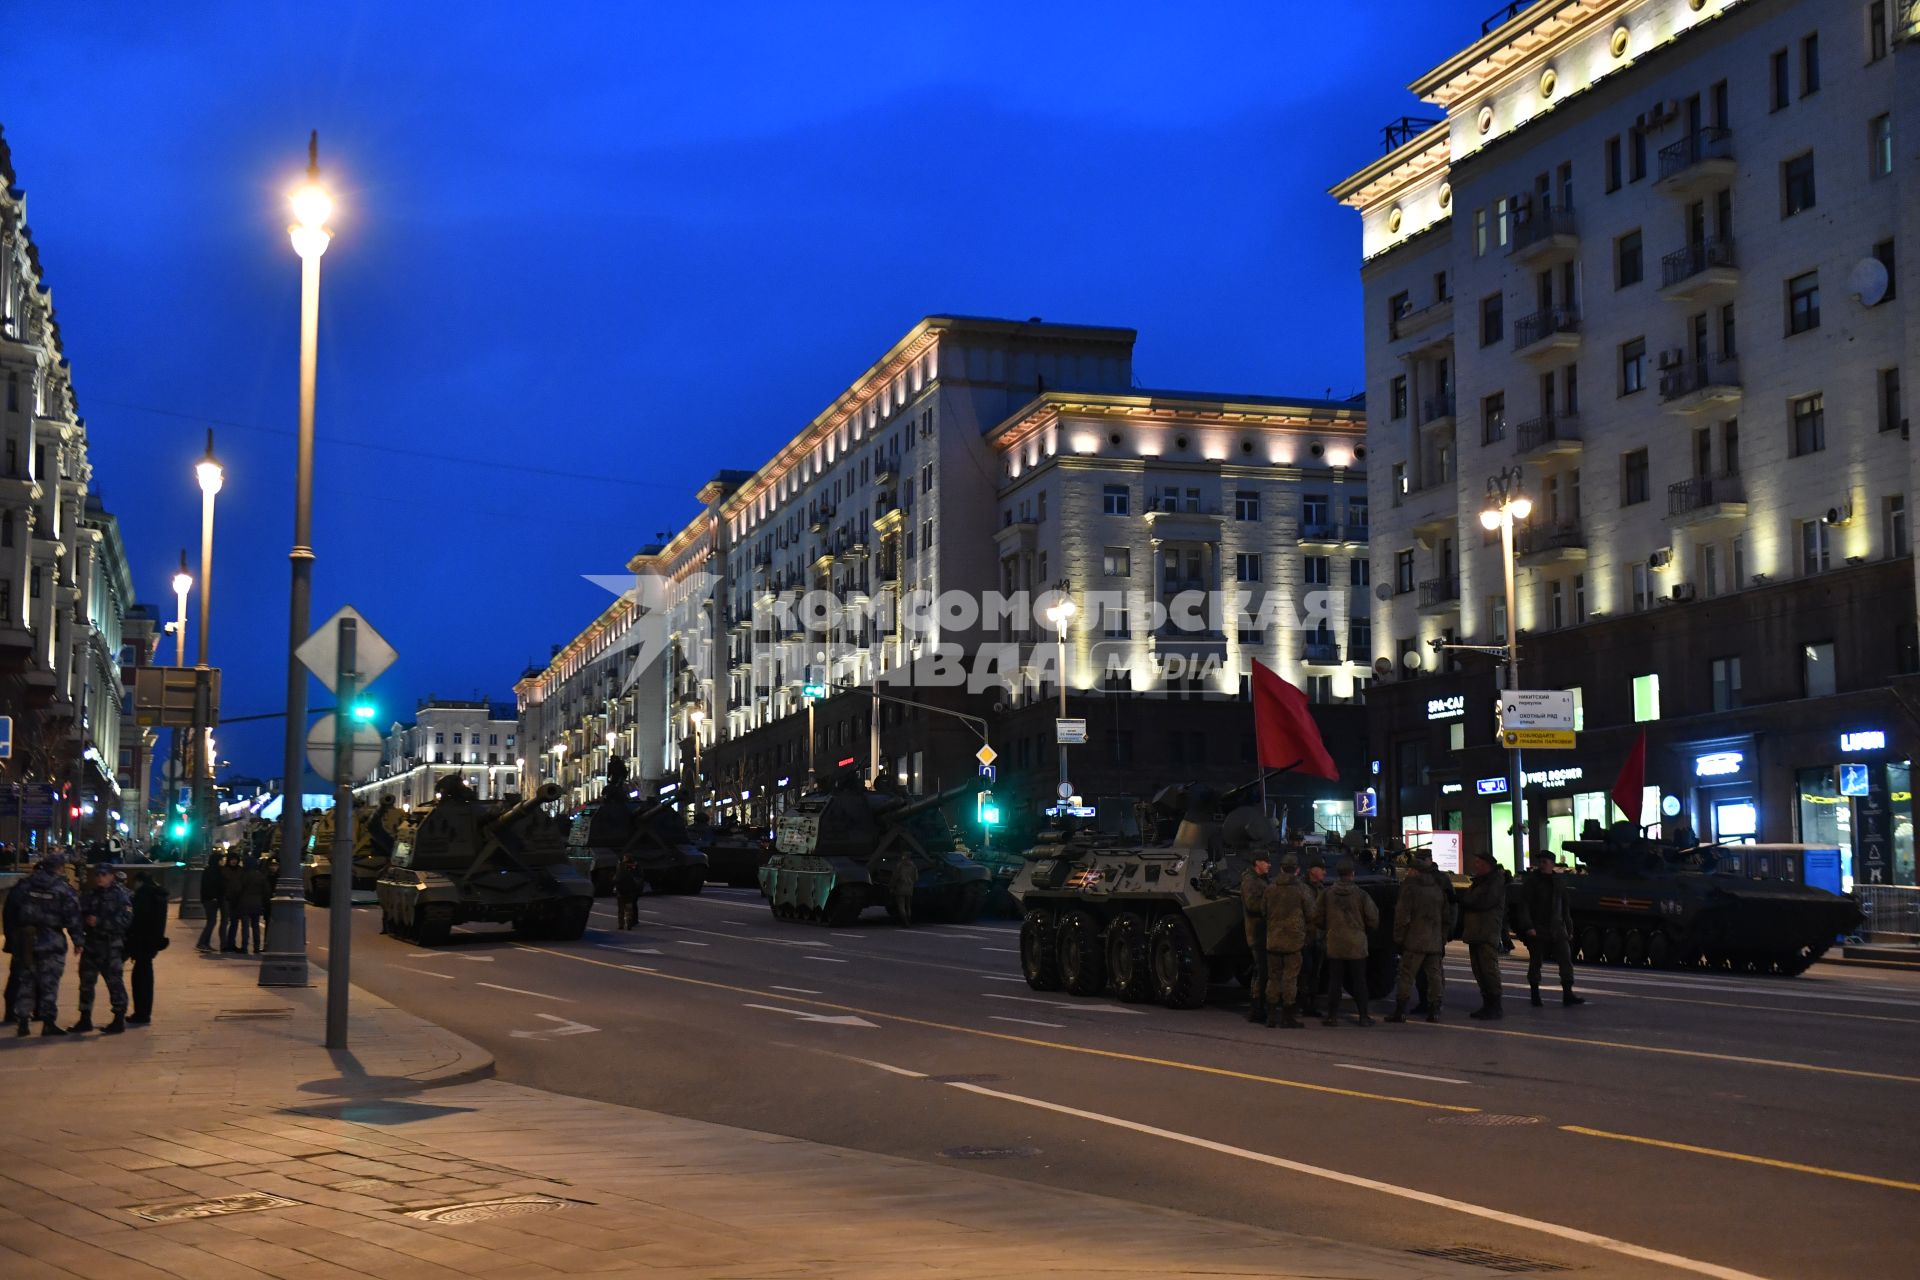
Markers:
(1660, 559)
(1672, 358)
(1839, 515)
(1682, 591)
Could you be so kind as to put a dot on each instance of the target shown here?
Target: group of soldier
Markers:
(104, 923)
(1308, 937)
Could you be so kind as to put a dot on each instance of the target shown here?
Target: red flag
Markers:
(1284, 729)
(1628, 787)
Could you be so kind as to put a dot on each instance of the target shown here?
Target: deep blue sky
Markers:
(636, 243)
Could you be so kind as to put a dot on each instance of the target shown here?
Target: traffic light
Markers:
(813, 692)
(178, 829)
(987, 809)
(361, 711)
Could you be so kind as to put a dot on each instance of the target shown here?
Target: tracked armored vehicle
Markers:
(1645, 902)
(650, 831)
(372, 850)
(847, 848)
(1108, 914)
(463, 860)
(734, 853)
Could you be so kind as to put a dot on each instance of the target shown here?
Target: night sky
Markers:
(587, 255)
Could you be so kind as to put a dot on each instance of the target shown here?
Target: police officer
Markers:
(1288, 909)
(1420, 931)
(1545, 920)
(1483, 918)
(106, 910)
(1347, 914)
(146, 938)
(1253, 893)
(48, 913)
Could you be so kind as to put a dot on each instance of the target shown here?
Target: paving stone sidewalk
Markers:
(223, 1142)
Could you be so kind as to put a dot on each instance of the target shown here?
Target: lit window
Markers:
(1646, 698)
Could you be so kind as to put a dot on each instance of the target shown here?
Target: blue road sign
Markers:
(6, 737)
(1366, 804)
(1853, 780)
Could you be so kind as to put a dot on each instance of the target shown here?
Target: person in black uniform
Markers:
(1545, 919)
(146, 938)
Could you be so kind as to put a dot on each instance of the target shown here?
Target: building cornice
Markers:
(1405, 165)
(1526, 36)
(1050, 407)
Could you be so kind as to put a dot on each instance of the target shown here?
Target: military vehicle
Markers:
(1105, 913)
(649, 830)
(847, 847)
(735, 853)
(1003, 866)
(1648, 902)
(462, 860)
(372, 849)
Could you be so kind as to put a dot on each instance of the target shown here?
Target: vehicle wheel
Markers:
(1129, 972)
(1660, 951)
(432, 925)
(572, 925)
(1590, 945)
(1613, 944)
(843, 908)
(1082, 953)
(1037, 958)
(964, 902)
(1792, 964)
(1636, 953)
(693, 880)
(1179, 969)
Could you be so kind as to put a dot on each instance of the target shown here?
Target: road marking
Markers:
(898, 1071)
(1005, 951)
(632, 951)
(805, 991)
(637, 968)
(1728, 1004)
(431, 974)
(1789, 1165)
(689, 942)
(567, 1027)
(844, 1020)
(1001, 977)
(1225, 1073)
(538, 995)
(1064, 1004)
(1057, 1026)
(1743, 1059)
(824, 959)
(1411, 1075)
(1573, 1234)
(1705, 984)
(846, 935)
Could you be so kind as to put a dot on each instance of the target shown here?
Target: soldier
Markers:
(1484, 912)
(213, 901)
(1545, 918)
(1347, 914)
(106, 910)
(627, 883)
(47, 909)
(1287, 909)
(146, 938)
(256, 888)
(1420, 931)
(1313, 956)
(1253, 893)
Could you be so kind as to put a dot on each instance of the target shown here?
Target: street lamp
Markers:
(697, 716)
(182, 584)
(560, 763)
(285, 963)
(211, 476)
(1506, 503)
(1060, 613)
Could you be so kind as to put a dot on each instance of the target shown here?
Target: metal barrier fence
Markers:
(1892, 911)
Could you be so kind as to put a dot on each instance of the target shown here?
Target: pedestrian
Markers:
(1545, 918)
(213, 901)
(47, 915)
(146, 938)
(1287, 909)
(1348, 915)
(106, 911)
(1313, 956)
(1253, 894)
(230, 924)
(1420, 931)
(627, 884)
(255, 889)
(1483, 913)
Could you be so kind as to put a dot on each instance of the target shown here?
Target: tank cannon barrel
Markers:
(924, 803)
(547, 794)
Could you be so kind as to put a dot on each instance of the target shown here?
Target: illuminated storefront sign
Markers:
(1491, 786)
(1451, 788)
(1556, 777)
(1447, 708)
(1863, 740)
(1719, 764)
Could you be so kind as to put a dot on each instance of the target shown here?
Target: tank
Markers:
(847, 847)
(1648, 902)
(735, 853)
(372, 849)
(1104, 912)
(650, 830)
(463, 860)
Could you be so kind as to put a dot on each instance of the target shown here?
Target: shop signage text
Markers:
(1719, 764)
(1491, 786)
(1447, 708)
(1556, 777)
(1863, 740)
(1451, 788)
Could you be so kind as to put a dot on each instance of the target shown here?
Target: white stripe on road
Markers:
(1410, 1075)
(1028, 1022)
(1573, 1234)
(898, 1071)
(1001, 977)
(538, 995)
(689, 942)
(1005, 951)
(1063, 1004)
(431, 974)
(801, 991)
(824, 959)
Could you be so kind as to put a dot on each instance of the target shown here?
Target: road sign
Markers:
(1853, 780)
(163, 696)
(1366, 804)
(987, 772)
(320, 653)
(1548, 739)
(986, 755)
(1537, 709)
(6, 737)
(1066, 790)
(361, 760)
(1070, 733)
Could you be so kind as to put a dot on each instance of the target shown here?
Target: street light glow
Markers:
(1521, 506)
(312, 206)
(211, 474)
(182, 583)
(1490, 518)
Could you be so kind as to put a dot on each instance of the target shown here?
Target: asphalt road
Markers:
(1676, 1124)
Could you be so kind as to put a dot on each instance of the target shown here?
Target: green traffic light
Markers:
(362, 711)
(813, 691)
(990, 816)
(179, 831)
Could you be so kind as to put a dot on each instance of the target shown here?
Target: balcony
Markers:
(1697, 385)
(1560, 544)
(1433, 324)
(1701, 161)
(1549, 236)
(1183, 526)
(1547, 333)
(1700, 272)
(1016, 536)
(1358, 533)
(1440, 595)
(1548, 436)
(1319, 531)
(1437, 410)
(1322, 653)
(1707, 500)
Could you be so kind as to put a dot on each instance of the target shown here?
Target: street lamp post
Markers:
(211, 477)
(1060, 613)
(696, 717)
(560, 764)
(285, 964)
(1506, 503)
(177, 756)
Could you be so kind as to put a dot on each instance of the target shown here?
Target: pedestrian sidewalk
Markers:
(223, 1142)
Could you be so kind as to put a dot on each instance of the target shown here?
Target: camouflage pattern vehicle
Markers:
(649, 829)
(1003, 866)
(462, 860)
(373, 836)
(1105, 913)
(735, 853)
(1646, 902)
(847, 847)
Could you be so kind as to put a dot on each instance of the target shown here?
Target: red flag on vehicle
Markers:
(1629, 786)
(1284, 730)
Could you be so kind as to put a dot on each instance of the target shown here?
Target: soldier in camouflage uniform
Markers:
(106, 909)
(1289, 911)
(44, 913)
(1253, 894)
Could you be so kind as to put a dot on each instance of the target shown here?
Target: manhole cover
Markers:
(990, 1153)
(982, 1078)
(1511, 1263)
(487, 1210)
(184, 1210)
(1486, 1120)
(234, 1015)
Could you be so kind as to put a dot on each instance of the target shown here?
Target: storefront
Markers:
(1862, 804)
(1721, 789)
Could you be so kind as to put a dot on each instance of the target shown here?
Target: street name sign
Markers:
(1537, 709)
(6, 737)
(1070, 733)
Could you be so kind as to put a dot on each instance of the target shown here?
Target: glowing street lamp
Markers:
(1060, 613)
(697, 717)
(182, 584)
(1506, 503)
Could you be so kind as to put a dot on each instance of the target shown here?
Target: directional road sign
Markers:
(320, 653)
(1070, 732)
(164, 696)
(1549, 739)
(361, 760)
(1537, 709)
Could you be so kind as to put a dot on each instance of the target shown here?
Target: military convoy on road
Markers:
(373, 837)
(650, 831)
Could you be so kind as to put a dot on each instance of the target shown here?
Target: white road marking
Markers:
(431, 974)
(538, 995)
(1030, 1022)
(1705, 984)
(689, 942)
(1468, 1208)
(1410, 1075)
(632, 951)
(567, 1027)
(824, 959)
(1005, 951)
(799, 991)
(843, 1020)
(898, 1071)
(837, 934)
(1062, 1004)
(638, 968)
(1001, 977)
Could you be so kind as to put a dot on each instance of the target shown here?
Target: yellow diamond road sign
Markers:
(986, 755)
(1538, 738)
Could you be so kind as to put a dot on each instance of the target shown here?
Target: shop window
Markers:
(1646, 698)
(1816, 669)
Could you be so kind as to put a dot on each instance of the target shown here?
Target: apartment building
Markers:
(475, 741)
(1659, 255)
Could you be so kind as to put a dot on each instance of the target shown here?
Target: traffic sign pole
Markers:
(340, 869)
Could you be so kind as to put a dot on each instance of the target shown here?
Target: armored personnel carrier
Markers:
(1103, 913)
(1646, 902)
(847, 847)
(649, 830)
(462, 860)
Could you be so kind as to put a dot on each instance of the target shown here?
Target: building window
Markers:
(1316, 513)
(1492, 318)
(1319, 570)
(1503, 222)
(1360, 573)
(1493, 418)
(1114, 500)
(1320, 689)
(6, 529)
(1628, 267)
(1246, 505)
(1633, 478)
(1816, 669)
(1814, 547)
(1117, 562)
(439, 739)
(1637, 155)
(1726, 684)
(1803, 303)
(1479, 233)
(1556, 605)
(1116, 622)
(1403, 571)
(1796, 185)
(1891, 415)
(926, 478)
(1246, 567)
(1497, 617)
(1778, 74)
(1646, 698)
(1641, 586)
(1633, 366)
(1397, 397)
(1893, 523)
(1613, 163)
(1397, 306)
(1809, 425)
(1880, 146)
(1876, 30)
(1810, 64)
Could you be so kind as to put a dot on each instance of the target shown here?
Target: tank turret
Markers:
(845, 847)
